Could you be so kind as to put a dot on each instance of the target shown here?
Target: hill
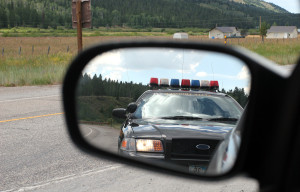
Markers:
(145, 14)
(99, 108)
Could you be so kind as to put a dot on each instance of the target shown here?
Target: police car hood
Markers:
(180, 129)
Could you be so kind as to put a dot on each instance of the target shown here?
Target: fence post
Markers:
(48, 50)
(20, 50)
(68, 49)
(3, 51)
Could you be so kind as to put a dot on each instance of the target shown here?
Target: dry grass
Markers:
(281, 51)
(34, 66)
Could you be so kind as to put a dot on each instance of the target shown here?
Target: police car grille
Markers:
(186, 148)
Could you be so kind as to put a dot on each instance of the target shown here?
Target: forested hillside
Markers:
(145, 13)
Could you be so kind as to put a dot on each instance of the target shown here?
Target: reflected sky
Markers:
(140, 64)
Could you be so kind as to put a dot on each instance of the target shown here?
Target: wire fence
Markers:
(35, 50)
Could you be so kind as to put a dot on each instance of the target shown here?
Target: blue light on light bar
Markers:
(174, 83)
(195, 84)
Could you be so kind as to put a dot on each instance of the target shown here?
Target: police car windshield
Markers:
(193, 106)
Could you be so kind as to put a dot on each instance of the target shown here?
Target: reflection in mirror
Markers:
(178, 108)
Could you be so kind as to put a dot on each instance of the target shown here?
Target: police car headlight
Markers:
(147, 145)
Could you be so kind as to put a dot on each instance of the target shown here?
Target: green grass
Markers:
(101, 31)
(281, 51)
(37, 32)
(37, 70)
(283, 54)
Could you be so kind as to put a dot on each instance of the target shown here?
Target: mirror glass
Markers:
(178, 108)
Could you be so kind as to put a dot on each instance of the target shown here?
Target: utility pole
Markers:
(81, 18)
(259, 23)
(260, 30)
(79, 25)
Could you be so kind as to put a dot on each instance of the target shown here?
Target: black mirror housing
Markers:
(131, 107)
(119, 113)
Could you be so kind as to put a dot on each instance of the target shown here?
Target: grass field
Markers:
(44, 60)
(95, 32)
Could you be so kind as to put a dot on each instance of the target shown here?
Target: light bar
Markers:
(204, 84)
(214, 85)
(154, 82)
(185, 83)
(164, 82)
(195, 85)
(175, 83)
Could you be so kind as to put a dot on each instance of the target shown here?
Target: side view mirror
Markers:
(190, 121)
(119, 113)
(131, 107)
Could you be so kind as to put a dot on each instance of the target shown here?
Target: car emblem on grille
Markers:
(202, 147)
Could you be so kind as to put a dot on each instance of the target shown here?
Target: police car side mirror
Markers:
(131, 107)
(178, 114)
(119, 113)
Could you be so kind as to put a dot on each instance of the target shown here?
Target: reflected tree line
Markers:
(97, 97)
(97, 86)
(238, 94)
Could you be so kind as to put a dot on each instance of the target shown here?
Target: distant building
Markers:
(282, 32)
(180, 36)
(220, 32)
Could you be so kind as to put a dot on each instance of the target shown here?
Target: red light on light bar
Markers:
(185, 83)
(154, 81)
(214, 84)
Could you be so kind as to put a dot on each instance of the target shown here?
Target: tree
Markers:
(244, 32)
(238, 94)
(3, 16)
(263, 29)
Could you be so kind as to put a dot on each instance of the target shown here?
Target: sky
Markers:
(292, 6)
(140, 64)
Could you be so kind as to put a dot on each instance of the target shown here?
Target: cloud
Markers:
(188, 68)
(194, 66)
(247, 89)
(201, 74)
(116, 75)
(145, 59)
(244, 73)
(107, 63)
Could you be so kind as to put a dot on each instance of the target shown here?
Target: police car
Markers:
(183, 124)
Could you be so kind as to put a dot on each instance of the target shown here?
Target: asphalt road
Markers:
(104, 137)
(36, 153)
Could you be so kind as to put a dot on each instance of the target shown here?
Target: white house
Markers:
(282, 32)
(220, 32)
(180, 36)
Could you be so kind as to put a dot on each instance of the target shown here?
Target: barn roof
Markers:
(281, 29)
(226, 29)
